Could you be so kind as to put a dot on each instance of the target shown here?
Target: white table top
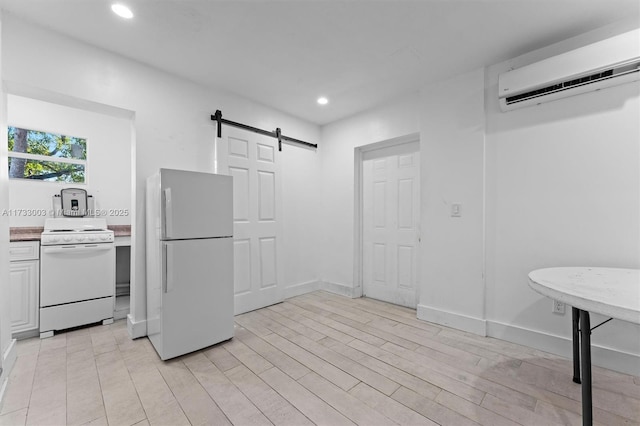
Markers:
(608, 291)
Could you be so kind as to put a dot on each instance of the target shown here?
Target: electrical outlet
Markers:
(558, 307)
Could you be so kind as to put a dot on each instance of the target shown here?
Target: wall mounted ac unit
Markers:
(603, 64)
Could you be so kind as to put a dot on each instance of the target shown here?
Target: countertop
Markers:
(32, 233)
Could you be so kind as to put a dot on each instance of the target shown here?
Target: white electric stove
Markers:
(77, 273)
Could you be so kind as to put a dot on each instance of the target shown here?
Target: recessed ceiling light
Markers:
(322, 100)
(122, 11)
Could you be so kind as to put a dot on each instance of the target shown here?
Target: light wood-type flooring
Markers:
(313, 359)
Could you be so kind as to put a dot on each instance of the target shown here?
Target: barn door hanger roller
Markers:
(274, 134)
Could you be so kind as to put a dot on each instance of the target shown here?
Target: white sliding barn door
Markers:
(391, 214)
(252, 160)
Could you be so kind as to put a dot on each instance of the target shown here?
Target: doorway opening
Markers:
(387, 207)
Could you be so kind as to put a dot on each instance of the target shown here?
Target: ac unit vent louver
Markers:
(604, 64)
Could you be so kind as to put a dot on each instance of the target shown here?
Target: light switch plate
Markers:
(456, 210)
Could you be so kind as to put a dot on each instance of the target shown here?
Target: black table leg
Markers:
(575, 313)
(585, 341)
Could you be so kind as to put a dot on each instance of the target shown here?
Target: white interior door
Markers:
(391, 217)
(257, 217)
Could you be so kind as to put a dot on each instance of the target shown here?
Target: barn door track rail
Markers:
(274, 134)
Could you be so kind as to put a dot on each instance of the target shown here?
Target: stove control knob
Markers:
(54, 238)
(67, 237)
(92, 237)
(79, 237)
(104, 237)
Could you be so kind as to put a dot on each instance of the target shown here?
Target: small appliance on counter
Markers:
(73, 202)
(189, 261)
(77, 266)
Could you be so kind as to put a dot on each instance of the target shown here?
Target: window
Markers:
(46, 156)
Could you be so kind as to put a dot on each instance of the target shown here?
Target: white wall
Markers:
(563, 189)
(172, 126)
(7, 347)
(108, 171)
(398, 118)
(452, 161)
(301, 179)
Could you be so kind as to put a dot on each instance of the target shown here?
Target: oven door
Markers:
(72, 273)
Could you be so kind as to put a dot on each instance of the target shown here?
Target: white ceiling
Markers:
(358, 53)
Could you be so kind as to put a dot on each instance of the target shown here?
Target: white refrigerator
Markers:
(189, 261)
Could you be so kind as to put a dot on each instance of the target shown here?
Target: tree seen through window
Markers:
(46, 156)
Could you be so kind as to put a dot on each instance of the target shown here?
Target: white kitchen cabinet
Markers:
(24, 272)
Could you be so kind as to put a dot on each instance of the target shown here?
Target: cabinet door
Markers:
(24, 295)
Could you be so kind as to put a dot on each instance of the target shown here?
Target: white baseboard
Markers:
(135, 328)
(3, 389)
(9, 358)
(601, 356)
(21, 335)
(8, 361)
(301, 288)
(451, 319)
(341, 289)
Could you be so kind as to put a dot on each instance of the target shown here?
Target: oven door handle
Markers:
(77, 249)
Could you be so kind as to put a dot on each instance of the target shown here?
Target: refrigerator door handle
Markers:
(168, 213)
(164, 266)
(168, 268)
